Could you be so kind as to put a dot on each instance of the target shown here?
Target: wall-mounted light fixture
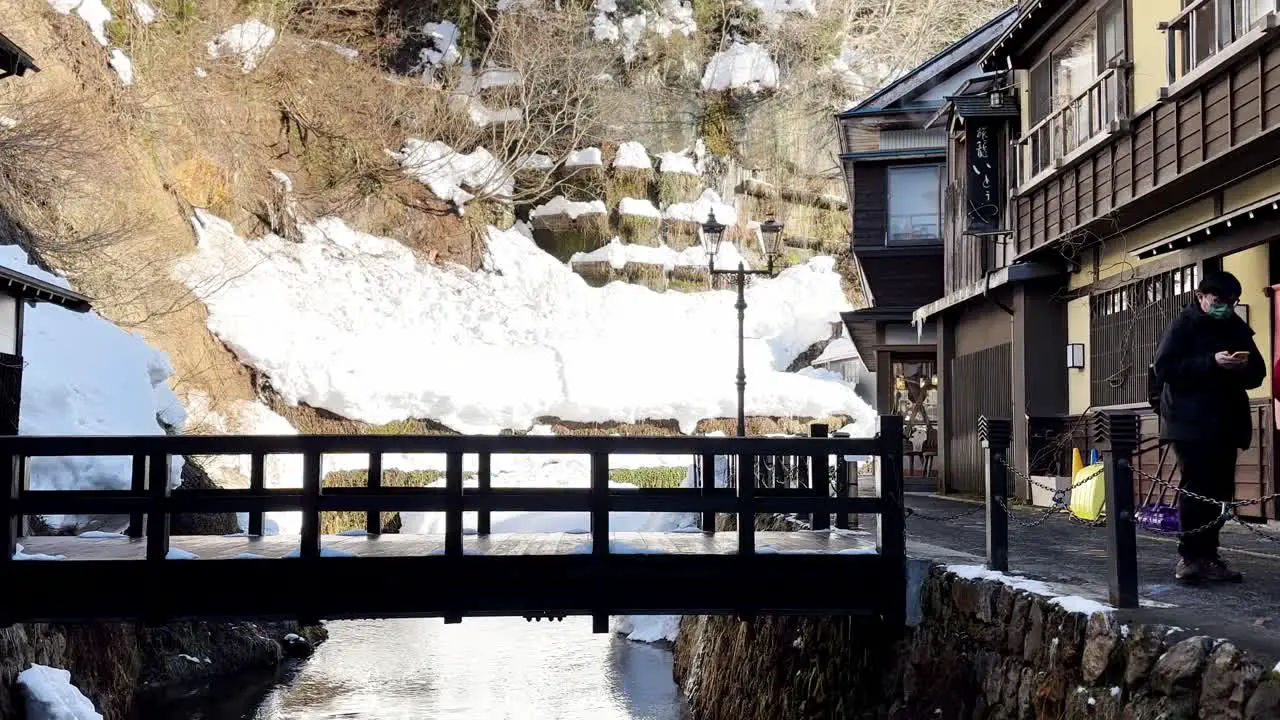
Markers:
(1075, 356)
(1242, 311)
(997, 99)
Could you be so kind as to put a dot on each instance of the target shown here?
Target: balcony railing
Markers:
(914, 229)
(1206, 30)
(1081, 122)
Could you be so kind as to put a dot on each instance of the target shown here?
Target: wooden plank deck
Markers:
(212, 547)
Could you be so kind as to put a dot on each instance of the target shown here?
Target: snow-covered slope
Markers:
(355, 324)
(84, 375)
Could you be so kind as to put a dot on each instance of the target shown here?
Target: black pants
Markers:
(1209, 469)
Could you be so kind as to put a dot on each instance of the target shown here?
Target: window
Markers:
(915, 204)
(1215, 24)
(1125, 326)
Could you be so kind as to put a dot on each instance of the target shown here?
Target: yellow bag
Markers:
(1090, 494)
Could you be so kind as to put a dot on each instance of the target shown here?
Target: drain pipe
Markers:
(986, 293)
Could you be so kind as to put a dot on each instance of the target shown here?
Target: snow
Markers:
(526, 336)
(50, 695)
(675, 17)
(633, 30)
(480, 114)
(774, 12)
(180, 554)
(1083, 606)
(619, 254)
(632, 155)
(606, 6)
(346, 52)
(586, 157)
(642, 207)
(93, 12)
(535, 161)
(1069, 603)
(603, 29)
(100, 535)
(7, 123)
(560, 205)
(201, 72)
(324, 552)
(678, 162)
(250, 556)
(746, 66)
(123, 66)
(145, 12)
(86, 376)
(842, 348)
(354, 533)
(698, 210)
(249, 40)
(444, 39)
(20, 555)
(670, 17)
(446, 172)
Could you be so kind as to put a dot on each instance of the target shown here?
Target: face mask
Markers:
(1219, 311)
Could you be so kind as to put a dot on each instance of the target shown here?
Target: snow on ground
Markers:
(774, 12)
(446, 172)
(482, 115)
(523, 338)
(93, 12)
(632, 155)
(49, 695)
(86, 376)
(7, 123)
(642, 207)
(560, 205)
(619, 254)
(1069, 603)
(123, 66)
(698, 210)
(678, 162)
(444, 39)
(647, 628)
(746, 66)
(670, 17)
(586, 157)
(535, 161)
(249, 40)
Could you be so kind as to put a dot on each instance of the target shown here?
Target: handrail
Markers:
(1181, 32)
(1088, 115)
(1183, 16)
(1103, 77)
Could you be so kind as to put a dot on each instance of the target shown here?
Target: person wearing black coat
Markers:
(1207, 362)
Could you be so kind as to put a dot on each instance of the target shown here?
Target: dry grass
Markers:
(596, 274)
(640, 230)
(677, 188)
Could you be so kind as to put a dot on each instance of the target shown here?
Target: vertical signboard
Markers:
(984, 196)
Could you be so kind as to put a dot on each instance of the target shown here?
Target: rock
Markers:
(1265, 702)
(1033, 645)
(1026, 690)
(1102, 657)
(1019, 623)
(1178, 670)
(1227, 683)
(1154, 707)
(1143, 648)
(296, 646)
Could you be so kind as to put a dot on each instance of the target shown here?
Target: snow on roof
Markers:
(248, 40)
(841, 348)
(560, 205)
(640, 207)
(697, 211)
(632, 155)
(746, 66)
(586, 157)
(446, 172)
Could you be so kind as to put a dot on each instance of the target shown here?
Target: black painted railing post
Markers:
(257, 486)
(891, 529)
(995, 435)
(820, 482)
(842, 490)
(708, 486)
(310, 540)
(599, 501)
(157, 507)
(1117, 436)
(10, 520)
(746, 505)
(484, 482)
(138, 485)
(373, 479)
(453, 506)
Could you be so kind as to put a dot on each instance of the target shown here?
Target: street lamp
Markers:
(712, 234)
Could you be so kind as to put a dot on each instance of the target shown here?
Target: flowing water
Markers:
(489, 669)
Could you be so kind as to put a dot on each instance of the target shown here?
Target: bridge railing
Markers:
(149, 497)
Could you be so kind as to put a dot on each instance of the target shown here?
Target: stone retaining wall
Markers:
(979, 649)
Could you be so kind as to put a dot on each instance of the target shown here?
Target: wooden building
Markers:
(895, 165)
(1144, 152)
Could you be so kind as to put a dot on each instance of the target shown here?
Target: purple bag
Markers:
(1160, 516)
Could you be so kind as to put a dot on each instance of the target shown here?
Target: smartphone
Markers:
(1240, 355)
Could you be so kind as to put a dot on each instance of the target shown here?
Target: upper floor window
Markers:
(1205, 28)
(915, 204)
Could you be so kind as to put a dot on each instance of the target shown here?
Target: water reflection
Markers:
(495, 669)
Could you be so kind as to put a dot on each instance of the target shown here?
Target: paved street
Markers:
(1063, 552)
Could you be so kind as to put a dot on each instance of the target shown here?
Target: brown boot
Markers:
(1190, 572)
(1217, 570)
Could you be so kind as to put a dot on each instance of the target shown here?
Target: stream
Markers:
(490, 668)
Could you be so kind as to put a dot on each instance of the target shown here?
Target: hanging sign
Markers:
(984, 199)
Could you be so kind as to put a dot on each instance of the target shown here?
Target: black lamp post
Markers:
(712, 234)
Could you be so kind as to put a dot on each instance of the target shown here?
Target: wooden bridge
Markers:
(310, 576)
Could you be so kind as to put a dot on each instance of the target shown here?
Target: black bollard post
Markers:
(1117, 437)
(995, 434)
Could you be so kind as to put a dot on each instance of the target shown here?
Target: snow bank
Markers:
(444, 40)
(560, 205)
(632, 155)
(642, 207)
(250, 41)
(49, 695)
(446, 172)
(619, 254)
(586, 157)
(145, 12)
(93, 12)
(678, 162)
(523, 338)
(1070, 603)
(123, 66)
(86, 376)
(742, 66)
(698, 210)
(647, 628)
